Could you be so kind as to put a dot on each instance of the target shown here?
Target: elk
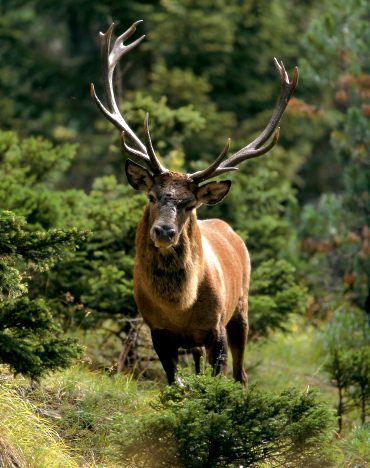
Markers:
(191, 277)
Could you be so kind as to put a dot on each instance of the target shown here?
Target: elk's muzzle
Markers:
(163, 235)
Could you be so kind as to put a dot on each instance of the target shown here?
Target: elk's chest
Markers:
(184, 307)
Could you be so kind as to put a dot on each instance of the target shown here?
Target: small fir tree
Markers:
(347, 338)
(31, 340)
(210, 422)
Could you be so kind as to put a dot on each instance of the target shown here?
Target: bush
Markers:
(209, 422)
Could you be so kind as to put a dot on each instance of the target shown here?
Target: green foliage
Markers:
(29, 336)
(348, 328)
(206, 421)
(339, 36)
(100, 276)
(29, 170)
(39, 248)
(334, 229)
(275, 290)
(30, 341)
(348, 364)
(350, 373)
(356, 446)
(84, 287)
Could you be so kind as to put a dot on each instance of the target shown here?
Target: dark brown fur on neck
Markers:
(167, 271)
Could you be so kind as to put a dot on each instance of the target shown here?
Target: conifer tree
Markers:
(31, 340)
(334, 231)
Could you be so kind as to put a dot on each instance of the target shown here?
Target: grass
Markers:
(27, 439)
(290, 359)
(76, 417)
(84, 405)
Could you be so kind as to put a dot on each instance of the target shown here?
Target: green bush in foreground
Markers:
(210, 422)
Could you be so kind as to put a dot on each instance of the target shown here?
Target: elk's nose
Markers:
(164, 233)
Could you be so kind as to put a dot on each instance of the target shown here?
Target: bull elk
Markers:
(191, 277)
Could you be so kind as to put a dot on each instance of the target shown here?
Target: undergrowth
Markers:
(296, 359)
(86, 418)
(213, 422)
(27, 439)
(83, 404)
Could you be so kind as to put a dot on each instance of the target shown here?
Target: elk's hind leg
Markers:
(217, 351)
(237, 333)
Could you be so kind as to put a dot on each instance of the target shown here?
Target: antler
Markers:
(144, 153)
(254, 149)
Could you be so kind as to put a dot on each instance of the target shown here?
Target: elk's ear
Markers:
(137, 176)
(213, 192)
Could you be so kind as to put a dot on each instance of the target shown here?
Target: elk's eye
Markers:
(151, 198)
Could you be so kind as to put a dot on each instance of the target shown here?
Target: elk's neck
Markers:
(171, 275)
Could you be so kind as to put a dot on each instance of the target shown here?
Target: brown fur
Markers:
(195, 292)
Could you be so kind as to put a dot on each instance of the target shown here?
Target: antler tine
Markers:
(286, 92)
(136, 154)
(241, 156)
(207, 173)
(255, 148)
(149, 147)
(110, 58)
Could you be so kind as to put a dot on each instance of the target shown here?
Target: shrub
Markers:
(209, 422)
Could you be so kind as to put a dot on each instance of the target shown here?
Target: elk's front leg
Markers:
(197, 355)
(165, 346)
(217, 351)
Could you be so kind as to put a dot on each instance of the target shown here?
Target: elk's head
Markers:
(173, 196)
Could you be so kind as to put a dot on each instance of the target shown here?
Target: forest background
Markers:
(68, 217)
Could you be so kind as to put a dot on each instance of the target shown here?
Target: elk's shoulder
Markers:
(216, 227)
(223, 240)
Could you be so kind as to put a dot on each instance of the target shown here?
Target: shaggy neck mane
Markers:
(171, 275)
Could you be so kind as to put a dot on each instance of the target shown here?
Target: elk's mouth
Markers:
(163, 245)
